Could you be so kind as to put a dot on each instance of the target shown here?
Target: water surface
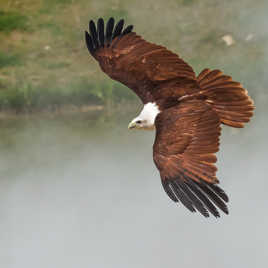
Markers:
(81, 190)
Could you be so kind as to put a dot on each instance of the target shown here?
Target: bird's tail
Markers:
(228, 98)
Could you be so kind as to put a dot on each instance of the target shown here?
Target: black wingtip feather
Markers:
(89, 42)
(98, 37)
(100, 30)
(168, 190)
(213, 197)
(118, 28)
(181, 196)
(196, 202)
(128, 29)
(109, 30)
(209, 205)
(93, 32)
(220, 192)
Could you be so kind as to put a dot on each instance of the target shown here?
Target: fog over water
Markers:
(81, 190)
(75, 193)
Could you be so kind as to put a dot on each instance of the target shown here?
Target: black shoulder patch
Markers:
(97, 36)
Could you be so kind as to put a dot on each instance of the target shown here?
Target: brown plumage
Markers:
(191, 110)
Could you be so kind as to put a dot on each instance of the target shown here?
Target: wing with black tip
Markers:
(187, 138)
(142, 66)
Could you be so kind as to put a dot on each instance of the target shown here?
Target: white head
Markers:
(146, 118)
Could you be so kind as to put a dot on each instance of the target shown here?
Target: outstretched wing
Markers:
(138, 64)
(187, 138)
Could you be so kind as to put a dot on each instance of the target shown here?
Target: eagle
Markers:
(186, 110)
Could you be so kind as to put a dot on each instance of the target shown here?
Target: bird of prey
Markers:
(185, 109)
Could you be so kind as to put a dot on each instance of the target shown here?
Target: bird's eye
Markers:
(138, 122)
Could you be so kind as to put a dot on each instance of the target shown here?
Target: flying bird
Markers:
(186, 110)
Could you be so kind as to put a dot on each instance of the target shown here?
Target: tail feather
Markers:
(227, 97)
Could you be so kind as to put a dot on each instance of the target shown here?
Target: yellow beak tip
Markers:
(131, 125)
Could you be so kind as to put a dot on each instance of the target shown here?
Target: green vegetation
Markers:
(44, 62)
(49, 5)
(10, 21)
(9, 60)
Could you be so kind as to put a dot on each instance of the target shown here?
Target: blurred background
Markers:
(77, 189)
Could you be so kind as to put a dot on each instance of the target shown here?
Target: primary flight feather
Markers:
(186, 110)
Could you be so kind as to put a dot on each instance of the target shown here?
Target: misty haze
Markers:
(77, 188)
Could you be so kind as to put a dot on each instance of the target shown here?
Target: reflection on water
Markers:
(82, 191)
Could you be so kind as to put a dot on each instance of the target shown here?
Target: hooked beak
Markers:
(132, 125)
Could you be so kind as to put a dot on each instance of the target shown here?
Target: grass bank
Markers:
(44, 63)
